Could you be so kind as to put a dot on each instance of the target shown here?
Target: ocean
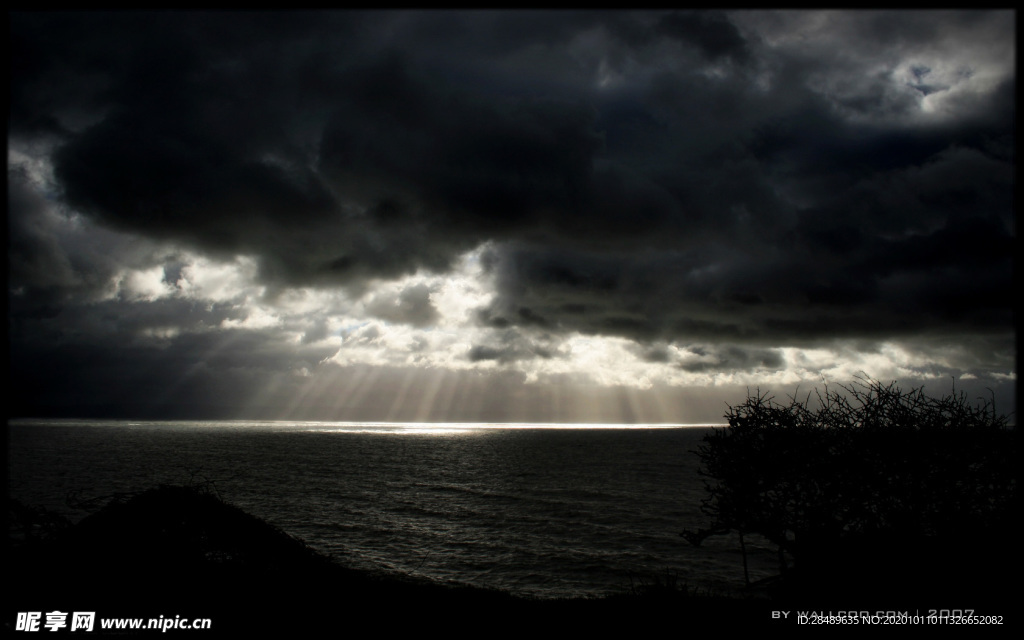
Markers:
(537, 510)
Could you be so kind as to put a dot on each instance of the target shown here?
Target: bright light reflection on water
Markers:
(381, 428)
(464, 428)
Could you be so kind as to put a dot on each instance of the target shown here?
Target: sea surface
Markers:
(539, 510)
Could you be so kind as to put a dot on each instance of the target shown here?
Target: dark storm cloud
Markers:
(412, 306)
(733, 359)
(711, 358)
(663, 176)
(53, 262)
(35, 257)
(416, 156)
(510, 346)
(711, 32)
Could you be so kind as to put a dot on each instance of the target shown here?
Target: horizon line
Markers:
(384, 423)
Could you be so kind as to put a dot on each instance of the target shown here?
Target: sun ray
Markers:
(425, 406)
(313, 388)
(357, 383)
(226, 339)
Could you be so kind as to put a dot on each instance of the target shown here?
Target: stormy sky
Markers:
(505, 215)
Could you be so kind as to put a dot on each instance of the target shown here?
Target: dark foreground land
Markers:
(177, 551)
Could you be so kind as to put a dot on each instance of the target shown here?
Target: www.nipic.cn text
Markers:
(86, 621)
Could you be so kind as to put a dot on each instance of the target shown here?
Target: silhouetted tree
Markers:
(849, 480)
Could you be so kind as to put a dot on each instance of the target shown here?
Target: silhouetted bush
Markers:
(868, 482)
